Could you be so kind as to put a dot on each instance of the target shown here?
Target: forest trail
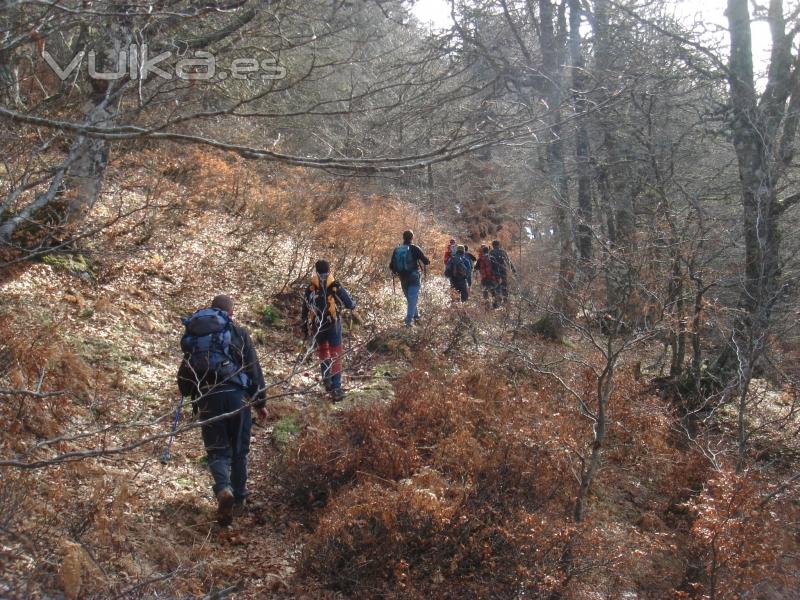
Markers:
(119, 322)
(260, 550)
(458, 443)
(626, 425)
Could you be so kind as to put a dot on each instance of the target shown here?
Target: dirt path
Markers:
(133, 526)
(260, 550)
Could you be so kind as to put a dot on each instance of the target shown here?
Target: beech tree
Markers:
(764, 132)
(339, 87)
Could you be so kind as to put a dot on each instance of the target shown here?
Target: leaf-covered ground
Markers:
(452, 464)
(107, 320)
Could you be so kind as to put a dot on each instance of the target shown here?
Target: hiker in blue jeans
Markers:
(459, 272)
(405, 264)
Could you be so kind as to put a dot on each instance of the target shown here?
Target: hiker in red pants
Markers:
(322, 301)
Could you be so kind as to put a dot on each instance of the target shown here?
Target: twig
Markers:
(223, 593)
(31, 393)
(145, 583)
(781, 489)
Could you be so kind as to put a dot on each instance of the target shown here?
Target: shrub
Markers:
(270, 315)
(738, 541)
(321, 461)
(359, 238)
(438, 494)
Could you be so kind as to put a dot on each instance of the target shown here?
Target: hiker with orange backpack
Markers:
(322, 302)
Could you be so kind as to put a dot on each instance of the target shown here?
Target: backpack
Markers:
(206, 344)
(499, 259)
(485, 265)
(403, 261)
(321, 306)
(459, 269)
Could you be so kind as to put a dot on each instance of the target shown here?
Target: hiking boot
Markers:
(225, 501)
(337, 395)
(239, 507)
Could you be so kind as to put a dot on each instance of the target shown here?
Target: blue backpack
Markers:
(458, 267)
(403, 261)
(206, 346)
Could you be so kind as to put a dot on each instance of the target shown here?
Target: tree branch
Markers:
(787, 203)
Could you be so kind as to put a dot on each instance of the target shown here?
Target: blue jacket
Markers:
(448, 271)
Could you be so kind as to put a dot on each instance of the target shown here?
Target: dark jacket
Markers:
(341, 297)
(500, 262)
(448, 272)
(417, 253)
(244, 353)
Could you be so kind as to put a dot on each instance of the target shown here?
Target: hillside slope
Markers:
(96, 332)
(451, 470)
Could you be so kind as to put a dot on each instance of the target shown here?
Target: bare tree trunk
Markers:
(85, 178)
(675, 296)
(762, 156)
(601, 176)
(77, 183)
(605, 386)
(582, 147)
(755, 129)
(552, 35)
(622, 237)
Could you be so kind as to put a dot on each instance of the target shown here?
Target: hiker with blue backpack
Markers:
(220, 372)
(321, 317)
(404, 263)
(459, 272)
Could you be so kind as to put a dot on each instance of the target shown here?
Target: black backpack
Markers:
(206, 345)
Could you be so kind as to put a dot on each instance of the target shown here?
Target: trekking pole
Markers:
(168, 448)
(347, 341)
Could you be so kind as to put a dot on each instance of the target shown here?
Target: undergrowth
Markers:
(450, 489)
(463, 486)
(459, 482)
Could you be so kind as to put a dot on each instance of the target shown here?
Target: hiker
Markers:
(473, 260)
(500, 265)
(405, 264)
(322, 322)
(488, 280)
(459, 272)
(449, 251)
(221, 373)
